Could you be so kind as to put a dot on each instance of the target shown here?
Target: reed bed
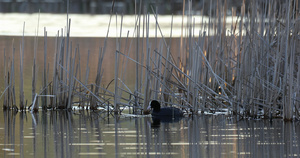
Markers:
(250, 69)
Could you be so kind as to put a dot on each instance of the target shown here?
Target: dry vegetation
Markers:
(251, 69)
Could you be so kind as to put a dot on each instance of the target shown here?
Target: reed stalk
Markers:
(33, 84)
(21, 92)
(116, 97)
(147, 71)
(250, 69)
(12, 81)
(44, 100)
(5, 100)
(288, 111)
(71, 78)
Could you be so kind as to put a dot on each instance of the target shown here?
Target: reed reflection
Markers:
(84, 134)
(9, 147)
(22, 116)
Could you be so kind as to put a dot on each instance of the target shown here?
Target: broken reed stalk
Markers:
(5, 105)
(61, 61)
(21, 92)
(71, 78)
(93, 98)
(287, 113)
(93, 105)
(116, 78)
(87, 71)
(33, 84)
(53, 101)
(67, 65)
(45, 83)
(116, 97)
(12, 81)
(147, 71)
(78, 70)
(136, 91)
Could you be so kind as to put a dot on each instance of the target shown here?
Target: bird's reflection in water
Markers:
(157, 120)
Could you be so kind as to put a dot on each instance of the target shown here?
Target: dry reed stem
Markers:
(252, 70)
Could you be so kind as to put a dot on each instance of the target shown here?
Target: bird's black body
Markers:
(163, 115)
(164, 112)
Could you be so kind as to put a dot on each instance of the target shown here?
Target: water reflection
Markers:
(85, 134)
(157, 120)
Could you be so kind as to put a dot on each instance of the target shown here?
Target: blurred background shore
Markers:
(104, 6)
(88, 25)
(90, 18)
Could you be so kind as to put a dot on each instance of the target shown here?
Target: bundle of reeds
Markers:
(250, 68)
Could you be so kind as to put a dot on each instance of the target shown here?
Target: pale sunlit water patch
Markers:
(134, 116)
(225, 135)
(91, 154)
(129, 144)
(150, 153)
(134, 148)
(13, 154)
(202, 143)
(294, 155)
(119, 132)
(134, 136)
(228, 129)
(8, 149)
(244, 153)
(96, 141)
(184, 128)
(113, 125)
(87, 144)
(267, 143)
(9, 144)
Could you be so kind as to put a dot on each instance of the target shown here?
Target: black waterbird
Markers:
(164, 112)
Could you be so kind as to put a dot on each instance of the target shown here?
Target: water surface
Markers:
(84, 134)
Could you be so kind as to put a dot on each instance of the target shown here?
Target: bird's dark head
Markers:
(155, 105)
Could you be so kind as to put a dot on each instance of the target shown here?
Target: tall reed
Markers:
(249, 69)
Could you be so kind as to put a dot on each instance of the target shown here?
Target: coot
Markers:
(165, 111)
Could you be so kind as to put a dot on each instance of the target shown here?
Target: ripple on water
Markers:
(8, 149)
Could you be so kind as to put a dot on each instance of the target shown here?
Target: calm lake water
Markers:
(84, 134)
